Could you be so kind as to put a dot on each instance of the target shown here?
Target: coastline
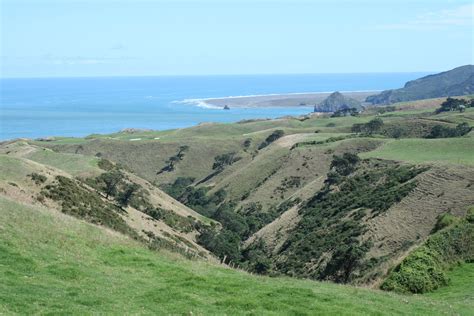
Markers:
(301, 99)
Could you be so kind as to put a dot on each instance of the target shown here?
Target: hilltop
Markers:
(456, 82)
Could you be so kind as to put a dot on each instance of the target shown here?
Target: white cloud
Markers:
(460, 16)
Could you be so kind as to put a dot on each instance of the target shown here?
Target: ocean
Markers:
(42, 107)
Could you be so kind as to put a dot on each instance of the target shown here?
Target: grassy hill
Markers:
(70, 183)
(455, 82)
(318, 197)
(53, 263)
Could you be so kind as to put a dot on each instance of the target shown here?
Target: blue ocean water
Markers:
(81, 106)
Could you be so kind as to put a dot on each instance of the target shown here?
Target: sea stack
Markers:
(337, 101)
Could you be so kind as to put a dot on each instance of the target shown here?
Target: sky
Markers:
(69, 38)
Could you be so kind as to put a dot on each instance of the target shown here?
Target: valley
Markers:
(252, 208)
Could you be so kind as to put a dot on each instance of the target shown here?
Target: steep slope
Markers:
(54, 263)
(356, 229)
(458, 81)
(35, 183)
(265, 182)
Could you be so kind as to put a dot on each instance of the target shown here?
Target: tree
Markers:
(462, 129)
(111, 180)
(451, 104)
(221, 161)
(358, 128)
(440, 131)
(345, 260)
(396, 132)
(271, 138)
(126, 195)
(345, 164)
(374, 125)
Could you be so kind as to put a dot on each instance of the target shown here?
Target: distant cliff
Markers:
(458, 81)
(337, 101)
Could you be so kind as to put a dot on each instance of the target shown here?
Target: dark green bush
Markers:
(38, 178)
(77, 201)
(105, 164)
(424, 269)
(180, 223)
(326, 230)
(440, 131)
(444, 220)
(271, 138)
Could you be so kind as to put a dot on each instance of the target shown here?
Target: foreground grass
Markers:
(442, 150)
(56, 264)
(460, 290)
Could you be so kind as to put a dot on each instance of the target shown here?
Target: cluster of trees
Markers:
(173, 160)
(114, 184)
(372, 127)
(452, 104)
(183, 190)
(271, 138)
(327, 237)
(346, 112)
(440, 131)
(38, 178)
(221, 161)
(384, 109)
(236, 225)
(78, 201)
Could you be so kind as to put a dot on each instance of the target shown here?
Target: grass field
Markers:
(52, 263)
(71, 163)
(444, 150)
(460, 291)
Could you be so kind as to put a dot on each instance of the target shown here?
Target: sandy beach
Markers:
(278, 100)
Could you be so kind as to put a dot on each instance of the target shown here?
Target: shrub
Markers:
(247, 143)
(326, 231)
(271, 138)
(373, 126)
(443, 221)
(221, 161)
(452, 104)
(105, 164)
(424, 269)
(183, 224)
(79, 202)
(345, 164)
(345, 112)
(440, 131)
(38, 178)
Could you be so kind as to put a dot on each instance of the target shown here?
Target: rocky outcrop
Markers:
(337, 101)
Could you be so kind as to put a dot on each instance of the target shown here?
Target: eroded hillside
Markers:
(277, 190)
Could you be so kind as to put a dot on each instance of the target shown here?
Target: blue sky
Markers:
(121, 38)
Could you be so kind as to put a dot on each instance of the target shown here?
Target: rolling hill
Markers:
(456, 82)
(211, 206)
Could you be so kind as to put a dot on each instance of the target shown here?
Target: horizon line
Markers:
(224, 75)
